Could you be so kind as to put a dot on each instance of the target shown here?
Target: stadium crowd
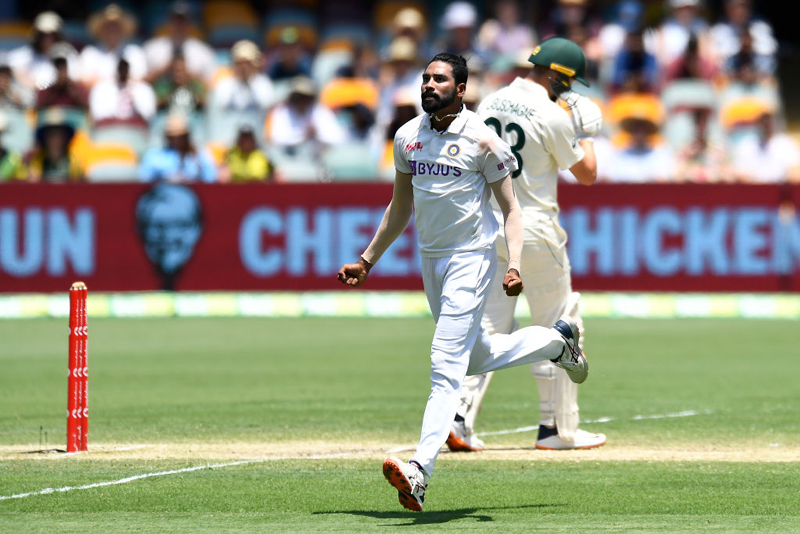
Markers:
(227, 91)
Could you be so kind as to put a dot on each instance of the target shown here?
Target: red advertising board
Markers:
(135, 237)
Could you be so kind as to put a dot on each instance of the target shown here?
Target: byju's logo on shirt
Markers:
(420, 168)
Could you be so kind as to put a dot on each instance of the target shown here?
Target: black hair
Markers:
(458, 64)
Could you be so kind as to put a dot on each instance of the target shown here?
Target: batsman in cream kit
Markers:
(449, 165)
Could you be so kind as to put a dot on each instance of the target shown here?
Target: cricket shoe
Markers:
(462, 440)
(549, 439)
(409, 480)
(571, 359)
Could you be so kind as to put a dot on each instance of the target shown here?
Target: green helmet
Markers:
(561, 55)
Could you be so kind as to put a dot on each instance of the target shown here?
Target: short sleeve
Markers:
(400, 161)
(562, 144)
(495, 159)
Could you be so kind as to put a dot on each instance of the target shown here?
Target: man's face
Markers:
(439, 88)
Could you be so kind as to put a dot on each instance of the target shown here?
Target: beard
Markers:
(438, 102)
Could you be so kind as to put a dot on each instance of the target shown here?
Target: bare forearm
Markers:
(512, 220)
(394, 221)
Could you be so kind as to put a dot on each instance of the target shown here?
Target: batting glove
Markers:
(587, 119)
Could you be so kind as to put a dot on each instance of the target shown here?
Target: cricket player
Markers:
(544, 138)
(448, 165)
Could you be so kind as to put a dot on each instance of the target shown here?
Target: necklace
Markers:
(438, 119)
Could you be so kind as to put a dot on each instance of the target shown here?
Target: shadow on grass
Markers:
(432, 518)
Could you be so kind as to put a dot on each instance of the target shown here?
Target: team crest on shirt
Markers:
(453, 150)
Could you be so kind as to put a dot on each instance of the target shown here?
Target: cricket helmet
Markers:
(561, 55)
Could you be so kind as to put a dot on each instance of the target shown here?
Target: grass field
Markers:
(282, 424)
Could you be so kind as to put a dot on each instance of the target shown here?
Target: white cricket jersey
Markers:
(541, 137)
(451, 172)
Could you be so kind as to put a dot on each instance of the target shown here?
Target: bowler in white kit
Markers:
(448, 165)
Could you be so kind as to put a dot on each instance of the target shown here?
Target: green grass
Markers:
(281, 381)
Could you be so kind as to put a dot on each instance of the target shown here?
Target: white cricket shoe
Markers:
(572, 359)
(409, 480)
(549, 439)
(463, 440)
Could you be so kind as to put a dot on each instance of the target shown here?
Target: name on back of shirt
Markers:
(509, 106)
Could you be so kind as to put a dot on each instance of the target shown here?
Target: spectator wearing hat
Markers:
(247, 89)
(301, 122)
(504, 35)
(178, 160)
(767, 155)
(11, 165)
(159, 51)
(638, 154)
(290, 57)
(64, 91)
(409, 22)
(32, 63)
(245, 162)
(400, 69)
(460, 24)
(122, 100)
(52, 159)
(112, 28)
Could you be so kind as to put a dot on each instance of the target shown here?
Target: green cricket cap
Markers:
(561, 55)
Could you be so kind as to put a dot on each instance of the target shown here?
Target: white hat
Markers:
(674, 4)
(245, 50)
(48, 22)
(459, 15)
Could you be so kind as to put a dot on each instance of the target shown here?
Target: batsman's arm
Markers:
(585, 171)
(503, 191)
(395, 220)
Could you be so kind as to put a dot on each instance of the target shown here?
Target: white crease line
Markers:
(48, 491)
(687, 413)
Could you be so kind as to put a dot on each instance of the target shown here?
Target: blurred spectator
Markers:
(767, 156)
(569, 16)
(634, 69)
(291, 58)
(401, 69)
(690, 64)
(301, 121)
(354, 100)
(32, 63)
(247, 89)
(12, 94)
(52, 160)
(746, 58)
(410, 22)
(245, 162)
(11, 165)
(159, 51)
(703, 160)
(177, 91)
(112, 28)
(503, 36)
(638, 154)
(460, 24)
(178, 161)
(404, 108)
(737, 22)
(122, 100)
(63, 92)
(684, 22)
(628, 18)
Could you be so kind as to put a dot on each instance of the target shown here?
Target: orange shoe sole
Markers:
(394, 475)
(456, 444)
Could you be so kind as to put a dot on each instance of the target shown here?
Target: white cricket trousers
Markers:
(457, 288)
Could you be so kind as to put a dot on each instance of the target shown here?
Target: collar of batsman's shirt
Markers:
(455, 125)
